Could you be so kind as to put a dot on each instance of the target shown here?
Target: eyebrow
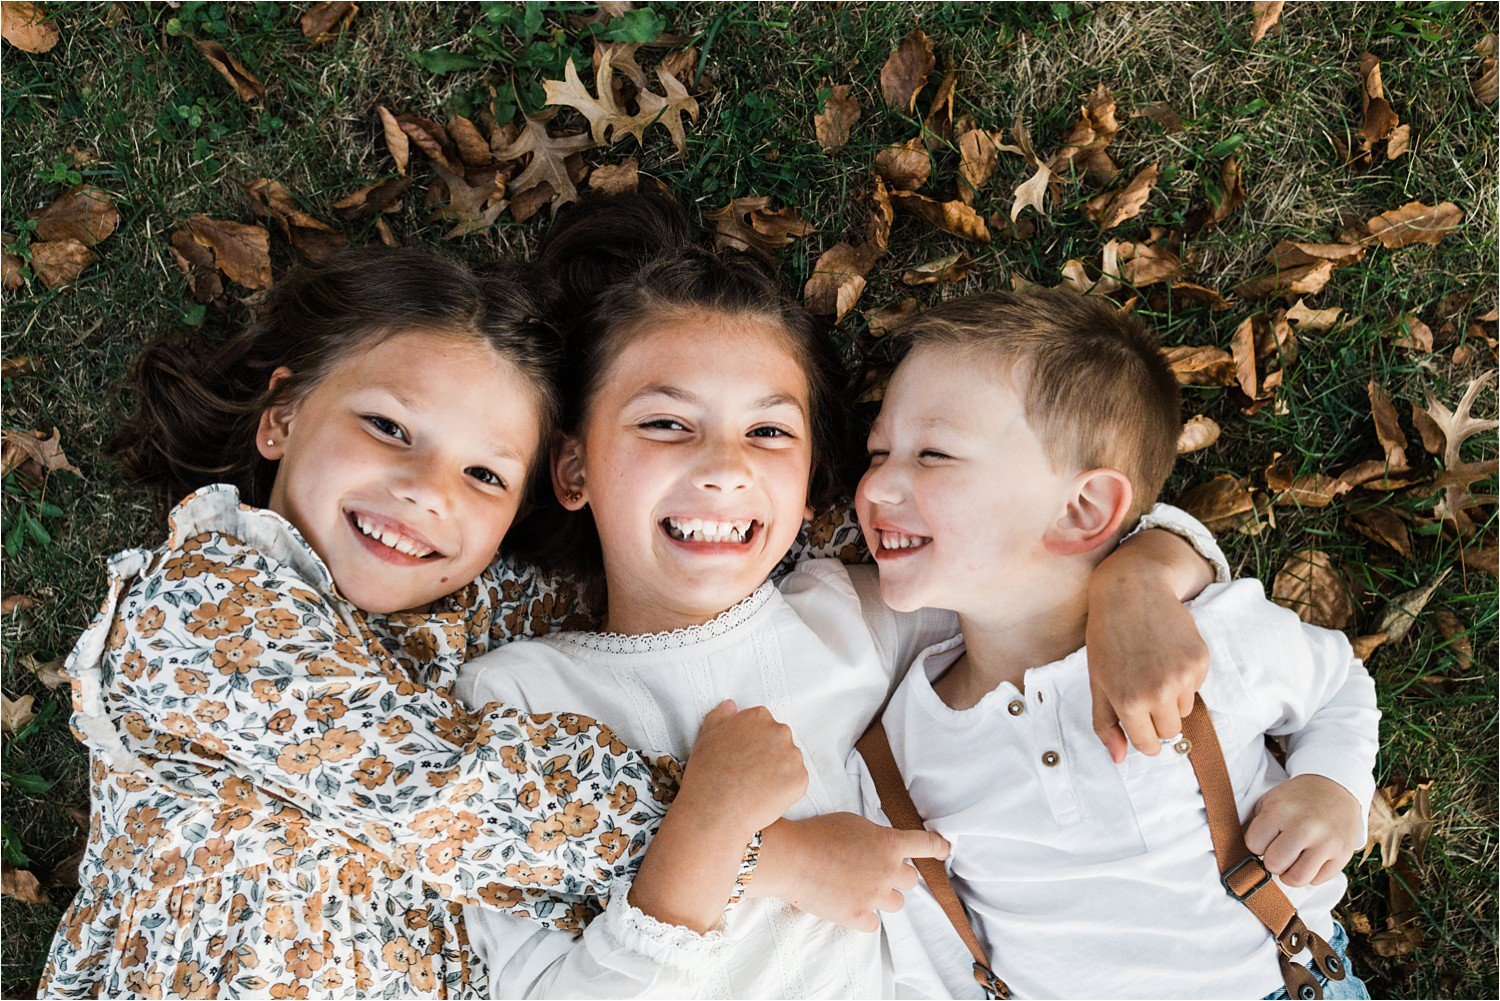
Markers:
(499, 448)
(683, 396)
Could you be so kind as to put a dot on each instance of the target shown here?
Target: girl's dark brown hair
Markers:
(614, 263)
(199, 407)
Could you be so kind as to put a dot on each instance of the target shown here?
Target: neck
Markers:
(632, 612)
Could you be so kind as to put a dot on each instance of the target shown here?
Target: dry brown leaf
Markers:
(750, 224)
(883, 321)
(838, 116)
(14, 265)
(473, 148)
(366, 203)
(937, 127)
(904, 166)
(1112, 208)
(1398, 142)
(1484, 85)
(316, 240)
(978, 152)
(1267, 15)
(1387, 426)
(473, 204)
(35, 453)
(1295, 253)
(906, 70)
(1457, 426)
(1412, 334)
(1084, 146)
(1309, 319)
(1384, 526)
(608, 122)
(84, 214)
(680, 62)
(432, 139)
(27, 27)
(1310, 585)
(1486, 558)
(1218, 500)
(549, 156)
(1202, 295)
(18, 365)
(1141, 264)
(953, 268)
(58, 262)
(21, 885)
(1305, 489)
(15, 713)
(49, 673)
(1404, 609)
(951, 217)
(396, 140)
(838, 279)
(1378, 118)
(13, 603)
(1198, 433)
(1262, 344)
(241, 252)
(882, 215)
(1415, 223)
(1365, 646)
(324, 21)
(1032, 192)
(1201, 365)
(616, 178)
(1397, 816)
(1306, 279)
(242, 80)
(1231, 194)
(1456, 638)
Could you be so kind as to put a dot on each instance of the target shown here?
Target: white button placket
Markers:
(1051, 757)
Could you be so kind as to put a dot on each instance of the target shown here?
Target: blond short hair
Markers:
(1098, 392)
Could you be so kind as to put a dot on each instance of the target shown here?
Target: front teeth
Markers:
(704, 530)
(900, 540)
(398, 542)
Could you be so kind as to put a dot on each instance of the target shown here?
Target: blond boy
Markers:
(1018, 441)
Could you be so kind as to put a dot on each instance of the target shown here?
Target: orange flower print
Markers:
(400, 954)
(513, 759)
(291, 990)
(547, 835)
(240, 792)
(326, 709)
(524, 875)
(213, 619)
(540, 736)
(529, 796)
(277, 623)
(189, 981)
(436, 778)
(443, 856)
(191, 682)
(143, 823)
(117, 853)
(579, 819)
(134, 665)
(236, 654)
(187, 566)
(168, 869)
(149, 622)
(304, 959)
(579, 915)
(606, 739)
(465, 826)
(421, 976)
(282, 721)
(266, 690)
(622, 797)
(500, 896)
(213, 855)
(612, 845)
(573, 724)
(134, 952)
(179, 725)
(281, 922)
(559, 780)
(457, 730)
(300, 758)
(339, 743)
(354, 879)
(373, 772)
(429, 823)
(394, 728)
(421, 645)
(211, 711)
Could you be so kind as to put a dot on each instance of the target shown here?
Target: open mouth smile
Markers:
(390, 540)
(893, 545)
(710, 532)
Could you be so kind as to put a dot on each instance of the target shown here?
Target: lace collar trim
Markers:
(674, 639)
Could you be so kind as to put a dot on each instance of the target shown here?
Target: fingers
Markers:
(720, 712)
(921, 844)
(1306, 866)
(908, 877)
(1329, 869)
(1185, 703)
(1141, 730)
(1262, 831)
(1107, 728)
(891, 902)
(1167, 721)
(1281, 853)
(868, 921)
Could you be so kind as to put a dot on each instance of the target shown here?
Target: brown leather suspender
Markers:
(1241, 872)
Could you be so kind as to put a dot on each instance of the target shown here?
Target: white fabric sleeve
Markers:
(623, 953)
(1190, 530)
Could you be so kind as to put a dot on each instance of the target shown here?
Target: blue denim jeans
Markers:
(1351, 988)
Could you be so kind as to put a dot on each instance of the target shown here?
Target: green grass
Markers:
(116, 82)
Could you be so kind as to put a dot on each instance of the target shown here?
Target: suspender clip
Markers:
(993, 986)
(1265, 877)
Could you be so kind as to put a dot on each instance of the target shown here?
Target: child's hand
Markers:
(842, 867)
(747, 765)
(1305, 830)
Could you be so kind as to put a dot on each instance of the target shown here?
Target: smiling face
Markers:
(694, 458)
(960, 493)
(404, 466)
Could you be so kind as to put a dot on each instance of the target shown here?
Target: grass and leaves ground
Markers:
(126, 102)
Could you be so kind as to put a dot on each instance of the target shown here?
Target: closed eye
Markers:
(487, 476)
(933, 454)
(663, 424)
(385, 426)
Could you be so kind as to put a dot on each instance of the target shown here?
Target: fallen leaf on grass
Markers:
(1484, 85)
(85, 214)
(396, 140)
(1201, 365)
(49, 673)
(1202, 295)
(1403, 933)
(1219, 500)
(324, 21)
(549, 156)
(1223, 199)
(1398, 816)
(1456, 638)
(1385, 527)
(1304, 490)
(1267, 14)
(953, 268)
(58, 262)
(607, 121)
(1397, 620)
(1387, 426)
(19, 884)
(616, 178)
(242, 80)
(13, 603)
(951, 217)
(838, 116)
(1141, 264)
(1364, 647)
(1379, 122)
(1412, 334)
(13, 265)
(1084, 146)
(473, 206)
(882, 215)
(1309, 319)
(1198, 433)
(27, 27)
(906, 70)
(1415, 223)
(316, 240)
(371, 201)
(904, 166)
(1457, 426)
(1301, 268)
(978, 153)
(883, 321)
(34, 453)
(750, 224)
(1310, 585)
(15, 713)
(1112, 208)
(838, 279)
(242, 252)
(473, 148)
(1262, 344)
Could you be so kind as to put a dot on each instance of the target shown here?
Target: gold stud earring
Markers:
(574, 496)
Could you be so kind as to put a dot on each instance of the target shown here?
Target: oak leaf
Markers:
(34, 454)
(242, 80)
(1201, 365)
(324, 21)
(882, 321)
(58, 262)
(1310, 585)
(838, 279)
(750, 224)
(1485, 80)
(242, 252)
(1308, 319)
(1198, 433)
(549, 155)
(1415, 223)
(616, 178)
(15, 713)
(1267, 15)
(316, 240)
(906, 70)
(953, 268)
(1382, 525)
(1112, 208)
(951, 217)
(20, 885)
(473, 203)
(1457, 426)
(1398, 816)
(1084, 146)
(27, 27)
(608, 122)
(838, 116)
(904, 166)
(84, 214)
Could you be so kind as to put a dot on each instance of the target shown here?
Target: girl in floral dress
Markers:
(287, 800)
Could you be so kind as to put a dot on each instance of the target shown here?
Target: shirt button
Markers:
(1015, 707)
(1183, 746)
(1050, 759)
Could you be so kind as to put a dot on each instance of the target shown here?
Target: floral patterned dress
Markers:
(288, 801)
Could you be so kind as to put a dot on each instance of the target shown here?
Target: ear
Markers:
(567, 472)
(275, 425)
(1100, 500)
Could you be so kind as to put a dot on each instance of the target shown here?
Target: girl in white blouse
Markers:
(703, 419)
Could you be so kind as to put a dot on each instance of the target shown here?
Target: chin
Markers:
(900, 597)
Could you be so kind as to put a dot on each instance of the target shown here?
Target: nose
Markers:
(418, 480)
(883, 484)
(722, 467)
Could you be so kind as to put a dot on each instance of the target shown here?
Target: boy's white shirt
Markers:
(1090, 879)
(823, 652)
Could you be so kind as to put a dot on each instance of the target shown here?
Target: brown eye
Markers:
(386, 426)
(487, 476)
